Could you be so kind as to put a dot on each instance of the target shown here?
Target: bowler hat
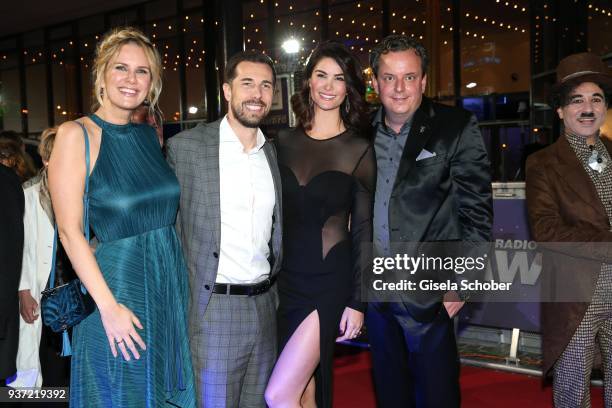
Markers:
(583, 67)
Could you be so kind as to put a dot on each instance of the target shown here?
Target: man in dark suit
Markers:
(230, 225)
(569, 201)
(11, 247)
(433, 185)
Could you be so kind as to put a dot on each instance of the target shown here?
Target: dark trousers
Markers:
(416, 365)
(55, 369)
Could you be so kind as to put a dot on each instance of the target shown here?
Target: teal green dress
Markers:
(133, 203)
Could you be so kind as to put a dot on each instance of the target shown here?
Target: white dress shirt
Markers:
(247, 201)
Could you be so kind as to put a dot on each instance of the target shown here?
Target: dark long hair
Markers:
(357, 117)
(14, 158)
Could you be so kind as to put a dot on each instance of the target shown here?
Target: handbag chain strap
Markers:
(85, 212)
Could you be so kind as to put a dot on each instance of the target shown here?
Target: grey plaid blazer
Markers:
(194, 156)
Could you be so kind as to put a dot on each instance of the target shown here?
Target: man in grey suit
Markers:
(230, 225)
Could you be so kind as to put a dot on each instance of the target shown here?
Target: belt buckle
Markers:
(259, 288)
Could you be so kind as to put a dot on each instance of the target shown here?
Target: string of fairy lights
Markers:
(544, 18)
(162, 36)
(358, 24)
(354, 30)
(350, 28)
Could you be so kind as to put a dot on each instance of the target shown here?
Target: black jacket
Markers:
(11, 248)
(447, 197)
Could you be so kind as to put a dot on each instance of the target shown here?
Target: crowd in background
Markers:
(35, 350)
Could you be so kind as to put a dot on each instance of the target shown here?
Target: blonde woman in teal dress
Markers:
(133, 350)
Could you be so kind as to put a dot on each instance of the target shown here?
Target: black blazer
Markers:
(11, 248)
(447, 197)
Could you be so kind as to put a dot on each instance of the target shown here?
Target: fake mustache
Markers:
(587, 115)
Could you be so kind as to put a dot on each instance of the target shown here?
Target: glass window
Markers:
(87, 83)
(545, 51)
(10, 99)
(445, 63)
(189, 4)
(194, 65)
(87, 48)
(494, 47)
(255, 28)
(161, 9)
(36, 91)
(169, 101)
(545, 38)
(504, 145)
(409, 18)
(358, 26)
(124, 18)
(61, 32)
(63, 75)
(163, 33)
(297, 32)
(91, 30)
(600, 27)
(36, 81)
(91, 26)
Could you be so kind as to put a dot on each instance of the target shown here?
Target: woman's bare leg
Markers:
(308, 397)
(295, 366)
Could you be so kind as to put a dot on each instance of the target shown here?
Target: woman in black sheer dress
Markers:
(328, 171)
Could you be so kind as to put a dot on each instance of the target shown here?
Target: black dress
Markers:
(328, 193)
(11, 248)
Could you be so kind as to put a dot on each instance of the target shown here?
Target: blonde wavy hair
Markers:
(109, 47)
(47, 139)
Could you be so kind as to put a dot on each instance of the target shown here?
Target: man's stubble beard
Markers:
(239, 113)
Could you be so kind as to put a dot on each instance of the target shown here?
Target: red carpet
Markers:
(479, 387)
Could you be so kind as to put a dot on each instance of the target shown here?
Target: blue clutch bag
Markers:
(65, 306)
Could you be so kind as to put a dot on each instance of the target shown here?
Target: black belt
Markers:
(244, 290)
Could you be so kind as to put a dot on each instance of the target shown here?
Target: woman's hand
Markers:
(27, 306)
(350, 324)
(119, 322)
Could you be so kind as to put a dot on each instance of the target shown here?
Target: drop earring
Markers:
(347, 106)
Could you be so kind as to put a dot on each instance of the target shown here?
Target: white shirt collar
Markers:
(227, 135)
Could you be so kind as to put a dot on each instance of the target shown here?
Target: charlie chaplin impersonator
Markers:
(569, 200)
